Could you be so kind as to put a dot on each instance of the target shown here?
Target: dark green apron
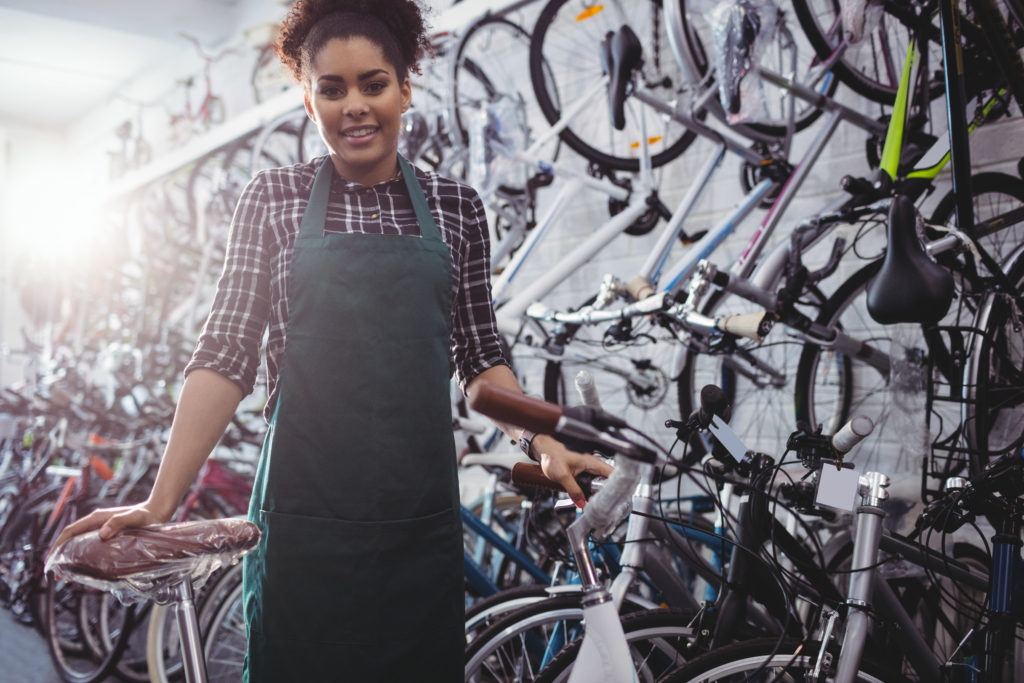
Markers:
(359, 573)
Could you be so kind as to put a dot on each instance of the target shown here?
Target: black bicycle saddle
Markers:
(910, 287)
(621, 52)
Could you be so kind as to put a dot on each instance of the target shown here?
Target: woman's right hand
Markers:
(109, 521)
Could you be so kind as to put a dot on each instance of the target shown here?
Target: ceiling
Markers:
(59, 59)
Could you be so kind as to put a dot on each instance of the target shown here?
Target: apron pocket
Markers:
(338, 581)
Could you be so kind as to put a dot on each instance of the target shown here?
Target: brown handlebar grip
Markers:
(532, 476)
(506, 405)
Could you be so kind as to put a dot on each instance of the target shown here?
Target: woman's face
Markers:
(356, 100)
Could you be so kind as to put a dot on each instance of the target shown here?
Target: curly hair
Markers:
(396, 26)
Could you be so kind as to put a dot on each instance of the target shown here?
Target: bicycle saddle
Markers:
(909, 287)
(621, 52)
(147, 559)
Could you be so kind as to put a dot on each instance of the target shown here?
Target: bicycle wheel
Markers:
(632, 364)
(67, 620)
(226, 641)
(768, 660)
(658, 643)
(758, 377)
(995, 417)
(871, 66)
(163, 648)
(784, 55)
(565, 66)
(488, 79)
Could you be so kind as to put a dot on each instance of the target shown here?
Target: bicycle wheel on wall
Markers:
(565, 65)
(786, 54)
(488, 79)
(758, 377)
(995, 417)
(632, 365)
(872, 65)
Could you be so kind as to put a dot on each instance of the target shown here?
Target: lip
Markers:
(369, 132)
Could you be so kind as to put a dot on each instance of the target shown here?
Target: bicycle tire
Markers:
(515, 647)
(163, 651)
(698, 35)
(871, 69)
(565, 63)
(75, 662)
(780, 662)
(658, 641)
(226, 641)
(996, 414)
(488, 69)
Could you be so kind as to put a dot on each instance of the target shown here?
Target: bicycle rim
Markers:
(565, 66)
(871, 66)
(633, 376)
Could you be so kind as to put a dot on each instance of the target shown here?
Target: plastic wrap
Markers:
(497, 133)
(860, 18)
(609, 506)
(145, 563)
(740, 31)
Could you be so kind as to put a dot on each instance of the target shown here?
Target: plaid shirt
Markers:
(252, 290)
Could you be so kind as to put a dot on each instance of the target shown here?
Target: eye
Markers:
(375, 87)
(331, 91)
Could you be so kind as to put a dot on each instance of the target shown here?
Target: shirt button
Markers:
(373, 216)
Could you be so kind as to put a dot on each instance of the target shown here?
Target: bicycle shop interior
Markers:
(128, 131)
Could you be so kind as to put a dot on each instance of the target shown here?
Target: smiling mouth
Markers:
(360, 132)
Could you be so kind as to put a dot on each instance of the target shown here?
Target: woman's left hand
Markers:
(561, 465)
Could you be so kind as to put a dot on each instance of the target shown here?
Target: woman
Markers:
(373, 279)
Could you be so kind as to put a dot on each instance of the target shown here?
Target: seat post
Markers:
(188, 633)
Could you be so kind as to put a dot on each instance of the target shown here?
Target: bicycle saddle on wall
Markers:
(621, 52)
(909, 287)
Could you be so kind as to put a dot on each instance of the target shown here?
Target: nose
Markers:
(355, 105)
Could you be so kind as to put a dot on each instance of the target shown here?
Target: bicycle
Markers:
(985, 651)
(599, 610)
(160, 563)
(210, 110)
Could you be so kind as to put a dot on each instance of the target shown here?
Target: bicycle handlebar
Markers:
(579, 426)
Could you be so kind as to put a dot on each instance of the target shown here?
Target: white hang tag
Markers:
(727, 437)
(837, 488)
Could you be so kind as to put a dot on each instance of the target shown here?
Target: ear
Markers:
(406, 94)
(309, 105)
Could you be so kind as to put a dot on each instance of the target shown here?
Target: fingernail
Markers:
(105, 532)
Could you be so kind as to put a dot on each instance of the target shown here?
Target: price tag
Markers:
(727, 437)
(837, 488)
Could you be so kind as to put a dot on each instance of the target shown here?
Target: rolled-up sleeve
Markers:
(476, 344)
(230, 341)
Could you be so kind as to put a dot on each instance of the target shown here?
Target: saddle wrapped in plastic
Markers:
(145, 563)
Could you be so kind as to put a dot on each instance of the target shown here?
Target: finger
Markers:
(595, 465)
(115, 523)
(90, 522)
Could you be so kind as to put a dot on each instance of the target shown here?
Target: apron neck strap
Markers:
(315, 216)
(428, 228)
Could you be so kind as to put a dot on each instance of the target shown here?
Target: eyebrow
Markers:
(362, 77)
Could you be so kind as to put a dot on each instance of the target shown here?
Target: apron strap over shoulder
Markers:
(428, 228)
(315, 216)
